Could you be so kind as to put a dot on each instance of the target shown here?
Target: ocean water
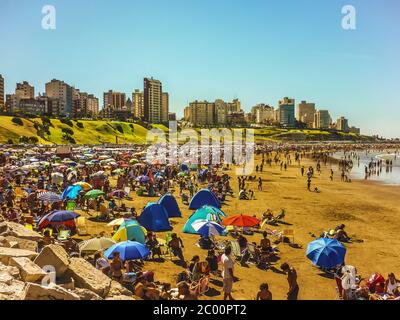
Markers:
(386, 175)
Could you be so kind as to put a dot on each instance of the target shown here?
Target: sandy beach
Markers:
(369, 210)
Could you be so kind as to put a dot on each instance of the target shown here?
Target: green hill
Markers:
(102, 131)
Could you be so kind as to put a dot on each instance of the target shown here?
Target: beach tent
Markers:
(204, 197)
(207, 213)
(154, 217)
(168, 201)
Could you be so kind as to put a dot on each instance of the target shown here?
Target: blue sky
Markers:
(254, 50)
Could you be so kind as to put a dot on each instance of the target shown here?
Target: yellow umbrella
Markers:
(85, 186)
(130, 232)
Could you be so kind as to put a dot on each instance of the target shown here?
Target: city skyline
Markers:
(258, 53)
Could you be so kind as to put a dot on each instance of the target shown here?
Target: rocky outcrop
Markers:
(19, 231)
(86, 294)
(88, 277)
(116, 289)
(53, 255)
(21, 243)
(29, 271)
(35, 291)
(7, 253)
(121, 298)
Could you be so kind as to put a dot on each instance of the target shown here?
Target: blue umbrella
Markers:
(71, 192)
(128, 250)
(326, 253)
(207, 228)
(58, 217)
(143, 179)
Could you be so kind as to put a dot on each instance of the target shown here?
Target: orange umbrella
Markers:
(240, 220)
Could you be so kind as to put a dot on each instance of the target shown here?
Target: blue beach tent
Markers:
(154, 217)
(202, 198)
(168, 201)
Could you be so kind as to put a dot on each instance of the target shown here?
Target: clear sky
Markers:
(254, 50)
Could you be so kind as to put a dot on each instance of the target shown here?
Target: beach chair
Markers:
(288, 233)
(164, 247)
(63, 235)
(254, 255)
(237, 253)
(200, 287)
(81, 226)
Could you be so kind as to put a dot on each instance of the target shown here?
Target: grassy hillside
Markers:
(101, 131)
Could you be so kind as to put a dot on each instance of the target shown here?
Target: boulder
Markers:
(23, 243)
(11, 289)
(121, 298)
(116, 289)
(29, 271)
(55, 256)
(88, 277)
(13, 271)
(35, 291)
(86, 294)
(19, 231)
(7, 253)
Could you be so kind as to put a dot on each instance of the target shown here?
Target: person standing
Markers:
(227, 273)
(293, 291)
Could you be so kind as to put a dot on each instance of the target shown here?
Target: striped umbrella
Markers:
(61, 217)
(49, 196)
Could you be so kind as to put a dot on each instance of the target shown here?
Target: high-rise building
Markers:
(305, 113)
(286, 112)
(263, 113)
(201, 113)
(322, 119)
(12, 103)
(63, 92)
(2, 104)
(221, 111)
(116, 100)
(138, 104)
(342, 124)
(25, 91)
(152, 91)
(164, 107)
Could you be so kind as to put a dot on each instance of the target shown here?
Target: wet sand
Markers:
(369, 210)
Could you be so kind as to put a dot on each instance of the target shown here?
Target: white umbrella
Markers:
(207, 228)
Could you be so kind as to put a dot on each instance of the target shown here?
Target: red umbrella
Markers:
(240, 220)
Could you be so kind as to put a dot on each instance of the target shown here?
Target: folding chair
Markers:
(236, 250)
(81, 226)
(63, 235)
(288, 233)
(254, 256)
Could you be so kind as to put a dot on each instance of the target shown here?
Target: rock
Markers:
(88, 277)
(29, 271)
(116, 289)
(121, 298)
(19, 231)
(55, 256)
(86, 294)
(35, 291)
(23, 243)
(11, 289)
(13, 271)
(7, 253)
(6, 278)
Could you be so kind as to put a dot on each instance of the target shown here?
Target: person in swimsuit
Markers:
(392, 285)
(264, 293)
(292, 281)
(116, 267)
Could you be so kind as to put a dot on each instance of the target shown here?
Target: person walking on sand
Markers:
(293, 291)
(259, 184)
(227, 273)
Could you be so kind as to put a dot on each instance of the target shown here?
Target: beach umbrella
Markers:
(119, 194)
(57, 177)
(49, 196)
(116, 222)
(96, 244)
(85, 186)
(240, 220)
(207, 228)
(326, 253)
(130, 230)
(118, 171)
(133, 161)
(182, 174)
(93, 194)
(61, 217)
(128, 250)
(71, 192)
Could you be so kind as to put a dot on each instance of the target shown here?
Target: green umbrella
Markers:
(93, 194)
(182, 174)
(133, 161)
